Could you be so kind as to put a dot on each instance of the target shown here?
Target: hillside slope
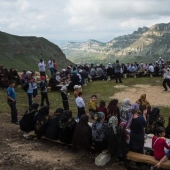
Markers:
(145, 42)
(24, 52)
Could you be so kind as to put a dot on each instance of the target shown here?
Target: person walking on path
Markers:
(11, 100)
(117, 72)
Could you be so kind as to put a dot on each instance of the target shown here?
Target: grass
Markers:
(103, 89)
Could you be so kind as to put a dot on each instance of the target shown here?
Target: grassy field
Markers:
(103, 89)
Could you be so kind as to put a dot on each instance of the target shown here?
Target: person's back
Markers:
(117, 67)
(92, 72)
(100, 72)
(52, 131)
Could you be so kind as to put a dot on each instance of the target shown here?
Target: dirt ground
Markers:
(18, 153)
(154, 94)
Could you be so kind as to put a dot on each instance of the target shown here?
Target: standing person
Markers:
(117, 72)
(76, 90)
(44, 94)
(30, 91)
(137, 129)
(34, 85)
(64, 96)
(51, 66)
(11, 100)
(55, 66)
(80, 105)
(41, 67)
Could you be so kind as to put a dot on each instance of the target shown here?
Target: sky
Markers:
(80, 20)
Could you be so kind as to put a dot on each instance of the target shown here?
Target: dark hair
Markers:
(117, 61)
(80, 93)
(94, 96)
(102, 103)
(113, 108)
(160, 129)
(11, 82)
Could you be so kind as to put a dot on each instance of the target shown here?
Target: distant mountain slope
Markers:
(24, 52)
(153, 41)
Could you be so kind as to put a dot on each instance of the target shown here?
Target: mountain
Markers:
(144, 43)
(24, 52)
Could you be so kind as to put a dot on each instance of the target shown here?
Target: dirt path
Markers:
(21, 154)
(154, 94)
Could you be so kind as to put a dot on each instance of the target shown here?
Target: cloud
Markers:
(80, 20)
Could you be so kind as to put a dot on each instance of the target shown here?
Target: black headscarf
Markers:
(154, 115)
(83, 134)
(44, 110)
(34, 106)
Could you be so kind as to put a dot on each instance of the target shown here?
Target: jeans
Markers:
(14, 112)
(29, 98)
(52, 71)
(35, 92)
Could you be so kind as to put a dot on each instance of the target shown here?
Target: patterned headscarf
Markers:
(134, 108)
(112, 123)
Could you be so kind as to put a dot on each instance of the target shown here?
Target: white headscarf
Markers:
(112, 123)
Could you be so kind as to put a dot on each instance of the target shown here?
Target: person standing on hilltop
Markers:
(117, 72)
(55, 66)
(51, 66)
(41, 67)
(11, 100)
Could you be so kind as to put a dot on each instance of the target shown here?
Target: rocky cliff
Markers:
(143, 42)
(24, 52)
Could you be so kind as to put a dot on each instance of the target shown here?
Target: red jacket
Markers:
(159, 146)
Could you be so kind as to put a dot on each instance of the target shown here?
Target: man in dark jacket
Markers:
(117, 72)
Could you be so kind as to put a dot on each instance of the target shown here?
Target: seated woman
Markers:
(167, 130)
(99, 129)
(154, 120)
(137, 129)
(159, 143)
(4, 77)
(27, 122)
(113, 110)
(82, 134)
(102, 108)
(13, 75)
(125, 111)
(52, 131)
(53, 82)
(66, 125)
(42, 120)
(143, 104)
(117, 146)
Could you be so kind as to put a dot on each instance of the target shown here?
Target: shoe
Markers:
(16, 123)
(165, 90)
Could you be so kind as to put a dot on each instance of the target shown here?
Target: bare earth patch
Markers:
(154, 94)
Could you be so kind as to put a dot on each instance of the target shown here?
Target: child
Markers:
(64, 96)
(102, 108)
(76, 90)
(92, 105)
(43, 87)
(80, 105)
(34, 85)
(30, 91)
(159, 143)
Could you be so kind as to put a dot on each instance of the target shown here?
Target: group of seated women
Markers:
(124, 129)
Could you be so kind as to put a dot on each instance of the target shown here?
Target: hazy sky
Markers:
(80, 20)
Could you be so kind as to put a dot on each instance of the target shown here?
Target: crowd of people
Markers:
(113, 129)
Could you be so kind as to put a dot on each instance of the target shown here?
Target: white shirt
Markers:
(80, 102)
(151, 68)
(50, 64)
(41, 67)
(79, 76)
(58, 78)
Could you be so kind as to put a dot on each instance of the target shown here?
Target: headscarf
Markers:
(134, 108)
(144, 101)
(34, 106)
(154, 115)
(167, 130)
(112, 123)
(57, 112)
(44, 110)
(82, 134)
(125, 105)
(99, 116)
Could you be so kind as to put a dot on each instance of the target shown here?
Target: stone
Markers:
(102, 159)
